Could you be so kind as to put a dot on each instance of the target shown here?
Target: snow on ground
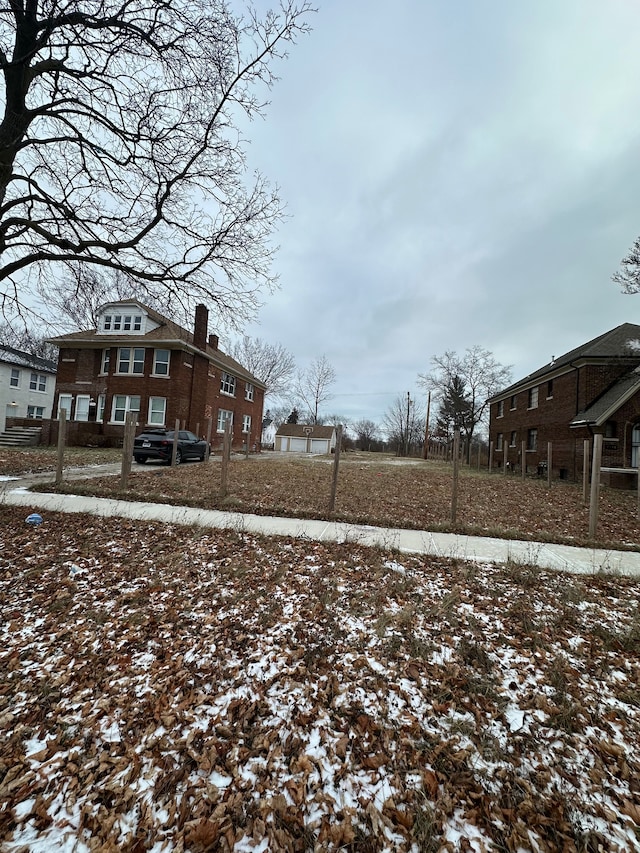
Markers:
(177, 689)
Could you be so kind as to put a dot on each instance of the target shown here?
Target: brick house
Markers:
(137, 360)
(593, 388)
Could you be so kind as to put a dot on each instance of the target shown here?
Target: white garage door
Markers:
(319, 445)
(298, 444)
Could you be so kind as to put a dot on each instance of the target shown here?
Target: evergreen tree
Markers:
(293, 417)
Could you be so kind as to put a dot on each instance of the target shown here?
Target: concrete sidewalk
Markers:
(475, 548)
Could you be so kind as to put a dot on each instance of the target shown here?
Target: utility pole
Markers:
(406, 451)
(425, 452)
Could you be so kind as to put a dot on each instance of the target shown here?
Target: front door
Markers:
(635, 446)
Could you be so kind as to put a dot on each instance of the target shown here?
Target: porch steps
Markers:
(20, 436)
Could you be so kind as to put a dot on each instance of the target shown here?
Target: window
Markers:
(512, 404)
(611, 429)
(106, 360)
(248, 393)
(161, 362)
(228, 384)
(64, 402)
(532, 439)
(82, 407)
(35, 412)
(38, 382)
(223, 416)
(122, 405)
(100, 408)
(120, 322)
(246, 423)
(500, 409)
(512, 440)
(499, 441)
(131, 360)
(157, 409)
(14, 381)
(533, 398)
(549, 389)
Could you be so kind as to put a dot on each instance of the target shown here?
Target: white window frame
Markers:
(14, 381)
(532, 446)
(122, 323)
(65, 401)
(157, 363)
(82, 407)
(499, 441)
(36, 412)
(513, 438)
(106, 361)
(228, 385)
(223, 416)
(155, 411)
(533, 398)
(249, 391)
(246, 423)
(131, 361)
(126, 408)
(100, 407)
(500, 413)
(38, 382)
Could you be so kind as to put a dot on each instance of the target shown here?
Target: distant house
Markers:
(593, 388)
(27, 384)
(306, 438)
(137, 360)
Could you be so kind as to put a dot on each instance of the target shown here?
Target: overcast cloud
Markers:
(456, 174)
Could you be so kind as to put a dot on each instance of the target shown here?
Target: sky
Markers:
(455, 174)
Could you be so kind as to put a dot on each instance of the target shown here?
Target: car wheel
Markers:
(140, 459)
(178, 456)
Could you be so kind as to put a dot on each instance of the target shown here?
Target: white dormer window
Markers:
(228, 384)
(125, 322)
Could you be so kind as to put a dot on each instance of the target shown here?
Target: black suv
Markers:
(158, 444)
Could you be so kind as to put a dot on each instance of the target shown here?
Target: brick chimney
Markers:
(214, 340)
(200, 326)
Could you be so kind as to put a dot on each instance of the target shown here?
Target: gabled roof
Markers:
(10, 355)
(623, 342)
(168, 333)
(609, 401)
(301, 430)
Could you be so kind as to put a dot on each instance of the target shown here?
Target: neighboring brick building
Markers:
(137, 360)
(593, 388)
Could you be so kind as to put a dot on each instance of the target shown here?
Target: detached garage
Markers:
(305, 438)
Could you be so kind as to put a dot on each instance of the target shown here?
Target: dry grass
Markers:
(382, 491)
(174, 688)
(34, 460)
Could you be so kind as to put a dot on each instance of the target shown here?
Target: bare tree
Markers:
(366, 432)
(476, 375)
(74, 304)
(403, 423)
(120, 146)
(313, 386)
(628, 277)
(23, 338)
(272, 364)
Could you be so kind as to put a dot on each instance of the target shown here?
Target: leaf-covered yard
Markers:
(388, 492)
(188, 689)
